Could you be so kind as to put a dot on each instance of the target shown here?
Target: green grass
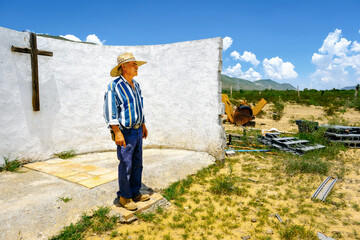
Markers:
(356, 207)
(317, 161)
(66, 154)
(147, 217)
(295, 232)
(306, 165)
(65, 199)
(175, 190)
(114, 234)
(226, 184)
(99, 222)
(11, 165)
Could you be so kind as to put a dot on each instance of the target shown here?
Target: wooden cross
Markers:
(34, 67)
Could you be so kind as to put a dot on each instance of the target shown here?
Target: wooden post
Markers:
(298, 92)
(35, 73)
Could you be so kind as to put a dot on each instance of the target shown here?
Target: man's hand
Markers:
(119, 137)
(145, 131)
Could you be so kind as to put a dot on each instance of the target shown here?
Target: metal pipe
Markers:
(328, 190)
(252, 150)
(320, 187)
(279, 218)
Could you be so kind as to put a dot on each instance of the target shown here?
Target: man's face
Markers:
(130, 68)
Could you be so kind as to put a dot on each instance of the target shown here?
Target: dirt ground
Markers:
(264, 189)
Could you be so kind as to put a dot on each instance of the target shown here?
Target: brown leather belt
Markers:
(136, 126)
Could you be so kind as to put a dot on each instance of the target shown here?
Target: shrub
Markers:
(356, 104)
(278, 109)
(326, 98)
(331, 110)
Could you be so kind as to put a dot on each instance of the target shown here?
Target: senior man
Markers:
(123, 112)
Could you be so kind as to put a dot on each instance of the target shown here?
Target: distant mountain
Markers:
(348, 88)
(238, 83)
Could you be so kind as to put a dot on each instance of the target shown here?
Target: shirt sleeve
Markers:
(142, 104)
(110, 109)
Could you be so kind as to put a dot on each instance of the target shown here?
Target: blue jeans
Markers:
(131, 163)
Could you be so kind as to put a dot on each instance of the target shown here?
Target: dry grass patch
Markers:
(241, 197)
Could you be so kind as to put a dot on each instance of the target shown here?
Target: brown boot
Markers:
(141, 198)
(128, 203)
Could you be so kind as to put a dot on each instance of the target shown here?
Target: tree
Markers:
(356, 90)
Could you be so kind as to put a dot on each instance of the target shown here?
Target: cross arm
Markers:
(28, 50)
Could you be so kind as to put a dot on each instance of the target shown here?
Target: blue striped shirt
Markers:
(123, 105)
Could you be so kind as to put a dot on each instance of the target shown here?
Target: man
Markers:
(123, 112)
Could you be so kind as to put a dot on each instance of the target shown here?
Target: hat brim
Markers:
(115, 71)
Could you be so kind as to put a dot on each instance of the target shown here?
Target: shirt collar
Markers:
(123, 79)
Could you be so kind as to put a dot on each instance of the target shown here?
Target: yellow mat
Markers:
(87, 175)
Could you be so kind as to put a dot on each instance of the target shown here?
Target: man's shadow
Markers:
(144, 190)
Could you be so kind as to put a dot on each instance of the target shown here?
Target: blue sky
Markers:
(311, 44)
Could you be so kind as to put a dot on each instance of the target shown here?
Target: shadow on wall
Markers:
(39, 124)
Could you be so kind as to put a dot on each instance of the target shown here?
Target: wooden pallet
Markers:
(288, 144)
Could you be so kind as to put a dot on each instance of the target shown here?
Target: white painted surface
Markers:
(180, 85)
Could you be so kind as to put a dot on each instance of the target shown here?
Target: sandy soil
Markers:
(266, 190)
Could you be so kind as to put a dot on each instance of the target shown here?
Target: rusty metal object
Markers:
(243, 114)
(260, 105)
(228, 108)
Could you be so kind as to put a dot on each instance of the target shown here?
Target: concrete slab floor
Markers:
(31, 205)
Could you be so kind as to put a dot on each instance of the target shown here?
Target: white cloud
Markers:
(236, 71)
(235, 55)
(334, 62)
(246, 57)
(227, 42)
(92, 38)
(355, 47)
(333, 45)
(251, 74)
(71, 37)
(321, 60)
(277, 69)
(250, 57)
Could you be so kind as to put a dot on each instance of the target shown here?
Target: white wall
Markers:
(180, 84)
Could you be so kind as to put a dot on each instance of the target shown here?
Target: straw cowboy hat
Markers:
(124, 58)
